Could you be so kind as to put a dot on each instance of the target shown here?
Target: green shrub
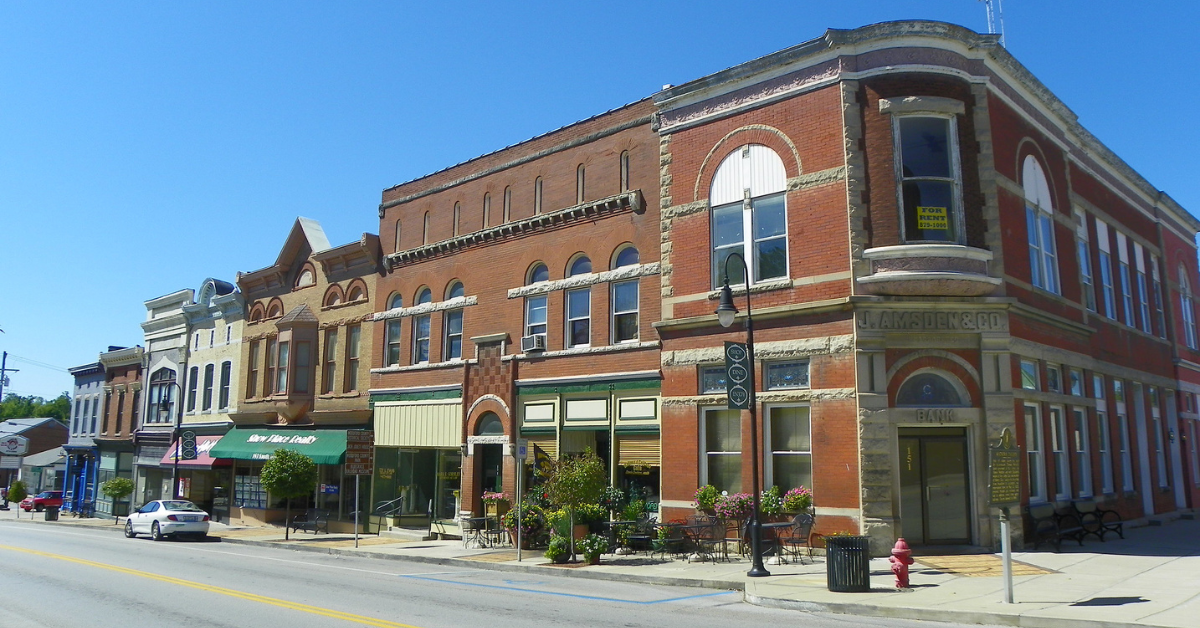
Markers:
(634, 510)
(559, 549)
(17, 491)
(706, 497)
(592, 546)
(117, 488)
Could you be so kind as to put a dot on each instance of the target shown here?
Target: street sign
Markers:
(187, 445)
(521, 451)
(1005, 471)
(360, 452)
(14, 445)
(737, 375)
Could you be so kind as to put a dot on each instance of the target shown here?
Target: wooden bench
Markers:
(313, 519)
(1096, 520)
(1051, 526)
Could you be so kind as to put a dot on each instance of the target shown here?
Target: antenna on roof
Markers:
(995, 13)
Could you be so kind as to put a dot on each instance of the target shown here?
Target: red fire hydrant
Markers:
(901, 559)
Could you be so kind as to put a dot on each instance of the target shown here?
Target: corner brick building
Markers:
(937, 252)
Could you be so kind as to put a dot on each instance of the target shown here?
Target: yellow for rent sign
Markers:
(932, 218)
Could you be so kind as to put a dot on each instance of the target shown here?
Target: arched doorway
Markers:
(491, 456)
(935, 489)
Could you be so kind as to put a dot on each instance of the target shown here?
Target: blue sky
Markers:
(147, 146)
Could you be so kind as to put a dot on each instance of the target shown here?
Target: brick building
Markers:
(305, 354)
(938, 252)
(118, 421)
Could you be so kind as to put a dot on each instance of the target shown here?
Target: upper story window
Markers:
(580, 266)
(1108, 292)
(1187, 305)
(507, 204)
(1156, 285)
(627, 256)
(453, 325)
(162, 397)
(421, 327)
(305, 279)
(1083, 250)
(579, 306)
(397, 234)
(625, 301)
(624, 171)
(487, 210)
(538, 272)
(928, 389)
(226, 377)
(356, 293)
(580, 178)
(1139, 258)
(425, 229)
(749, 215)
(1126, 284)
(209, 373)
(537, 195)
(455, 291)
(1029, 375)
(330, 361)
(1039, 224)
(927, 157)
(193, 382)
(457, 217)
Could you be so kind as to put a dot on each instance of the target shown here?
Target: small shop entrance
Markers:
(934, 486)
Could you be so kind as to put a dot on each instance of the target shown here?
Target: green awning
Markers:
(323, 446)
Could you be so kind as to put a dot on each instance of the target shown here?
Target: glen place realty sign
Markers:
(279, 439)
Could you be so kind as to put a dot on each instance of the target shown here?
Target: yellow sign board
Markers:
(933, 218)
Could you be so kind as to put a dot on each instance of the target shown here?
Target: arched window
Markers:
(306, 278)
(579, 183)
(333, 295)
(489, 425)
(580, 266)
(424, 296)
(395, 301)
(538, 272)
(457, 217)
(625, 171)
(452, 325)
(425, 232)
(1189, 308)
(421, 329)
(928, 389)
(537, 195)
(455, 290)
(275, 309)
(749, 215)
(356, 293)
(398, 234)
(257, 312)
(1039, 223)
(487, 210)
(627, 256)
(507, 204)
(161, 407)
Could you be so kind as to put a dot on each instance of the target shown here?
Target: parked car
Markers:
(40, 501)
(167, 517)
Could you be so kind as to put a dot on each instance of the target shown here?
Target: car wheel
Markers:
(38, 508)
(129, 533)
(156, 533)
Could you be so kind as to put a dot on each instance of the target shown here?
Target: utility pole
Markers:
(4, 371)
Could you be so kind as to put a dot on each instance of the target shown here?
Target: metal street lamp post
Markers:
(726, 312)
(164, 405)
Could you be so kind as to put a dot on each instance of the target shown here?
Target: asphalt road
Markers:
(99, 579)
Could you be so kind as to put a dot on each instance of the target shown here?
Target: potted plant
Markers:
(495, 504)
(736, 507)
(770, 502)
(533, 524)
(797, 500)
(592, 546)
(706, 498)
(559, 550)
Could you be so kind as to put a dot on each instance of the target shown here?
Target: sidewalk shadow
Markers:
(1111, 601)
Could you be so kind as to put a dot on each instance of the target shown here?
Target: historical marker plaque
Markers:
(1005, 471)
(360, 452)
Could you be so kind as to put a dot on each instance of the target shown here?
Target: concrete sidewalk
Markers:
(1151, 578)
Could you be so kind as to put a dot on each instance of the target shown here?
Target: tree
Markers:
(289, 474)
(18, 407)
(116, 489)
(17, 492)
(574, 482)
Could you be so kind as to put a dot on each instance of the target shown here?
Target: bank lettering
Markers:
(931, 321)
(935, 415)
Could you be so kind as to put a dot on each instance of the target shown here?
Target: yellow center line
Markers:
(305, 608)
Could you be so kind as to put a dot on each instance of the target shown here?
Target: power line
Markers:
(41, 364)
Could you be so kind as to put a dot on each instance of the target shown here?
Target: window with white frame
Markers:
(723, 449)
(1034, 453)
(421, 329)
(281, 375)
(330, 361)
(929, 177)
(625, 301)
(1107, 290)
(535, 306)
(1029, 375)
(209, 371)
(1083, 453)
(1187, 306)
(1126, 286)
(1083, 250)
(75, 418)
(1053, 378)
(452, 325)
(193, 385)
(395, 301)
(1058, 449)
(579, 306)
(226, 378)
(1139, 259)
(1039, 223)
(391, 335)
(161, 406)
(1160, 451)
(1156, 281)
(353, 340)
(713, 380)
(788, 431)
(749, 215)
(1076, 382)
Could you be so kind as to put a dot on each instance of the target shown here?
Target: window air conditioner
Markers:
(536, 342)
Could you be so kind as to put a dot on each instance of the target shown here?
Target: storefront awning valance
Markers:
(323, 446)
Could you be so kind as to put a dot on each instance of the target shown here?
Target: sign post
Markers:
(520, 452)
(360, 460)
(1004, 466)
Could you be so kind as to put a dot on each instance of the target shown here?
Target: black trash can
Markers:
(51, 513)
(848, 563)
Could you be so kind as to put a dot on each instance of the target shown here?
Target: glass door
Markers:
(934, 490)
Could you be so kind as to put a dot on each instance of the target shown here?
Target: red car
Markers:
(41, 500)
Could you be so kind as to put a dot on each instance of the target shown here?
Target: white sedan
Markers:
(167, 517)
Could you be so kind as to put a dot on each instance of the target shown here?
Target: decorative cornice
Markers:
(627, 201)
(590, 279)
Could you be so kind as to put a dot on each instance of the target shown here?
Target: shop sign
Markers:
(638, 468)
(932, 218)
(737, 373)
(928, 320)
(360, 452)
(330, 489)
(14, 445)
(281, 439)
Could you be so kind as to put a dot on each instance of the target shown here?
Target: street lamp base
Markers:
(758, 572)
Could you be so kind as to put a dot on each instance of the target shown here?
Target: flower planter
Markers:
(593, 560)
(495, 509)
